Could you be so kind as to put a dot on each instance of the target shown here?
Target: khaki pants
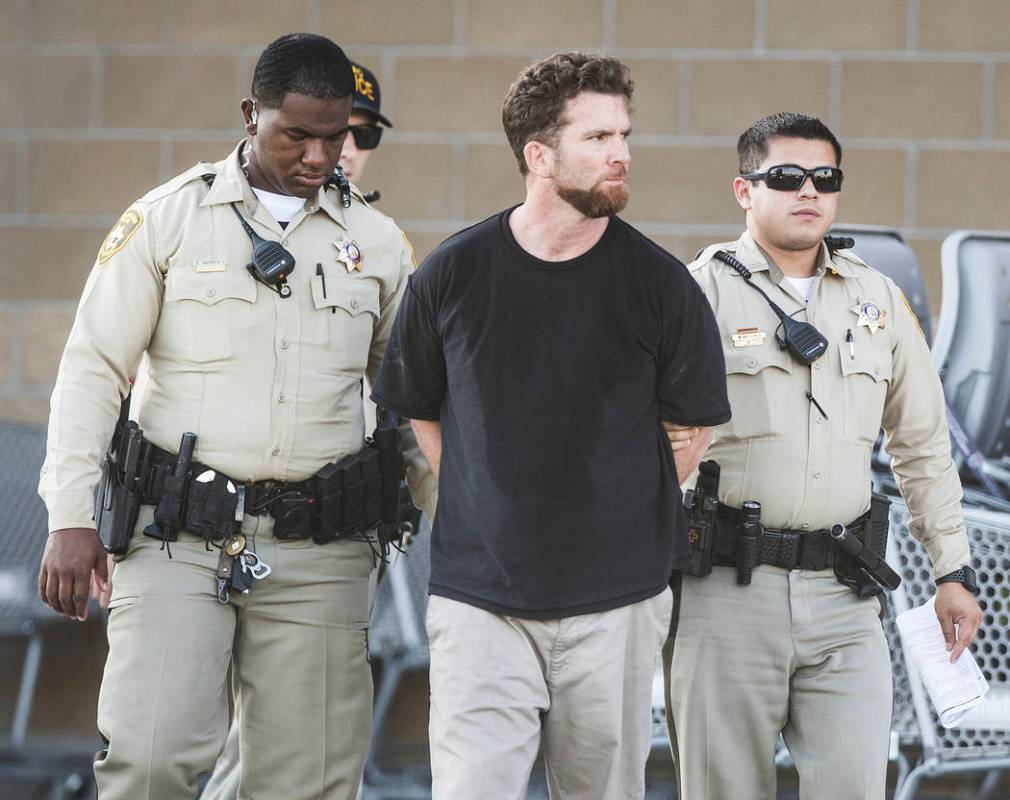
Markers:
(583, 684)
(301, 674)
(794, 652)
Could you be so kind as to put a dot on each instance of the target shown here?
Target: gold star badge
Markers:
(870, 315)
(349, 254)
(119, 235)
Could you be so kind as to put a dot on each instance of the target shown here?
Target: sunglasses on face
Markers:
(790, 177)
(366, 137)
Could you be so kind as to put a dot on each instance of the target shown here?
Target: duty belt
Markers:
(788, 549)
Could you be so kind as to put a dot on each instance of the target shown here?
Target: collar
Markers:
(754, 257)
(232, 186)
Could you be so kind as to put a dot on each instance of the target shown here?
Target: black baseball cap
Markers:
(367, 96)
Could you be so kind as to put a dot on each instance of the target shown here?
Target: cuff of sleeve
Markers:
(71, 510)
(949, 553)
(404, 411)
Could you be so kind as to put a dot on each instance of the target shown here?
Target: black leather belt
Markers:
(788, 549)
(259, 496)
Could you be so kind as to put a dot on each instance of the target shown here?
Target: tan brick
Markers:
(46, 262)
(493, 181)
(6, 344)
(89, 177)
(476, 87)
(43, 336)
(874, 188)
(22, 407)
(8, 177)
(236, 21)
(387, 22)
(962, 190)
(827, 24)
(10, 28)
(424, 242)
(683, 185)
(657, 84)
(188, 154)
(415, 180)
(927, 253)
(686, 23)
(45, 91)
(560, 24)
(964, 25)
(727, 96)
(95, 21)
(881, 98)
(170, 92)
(1001, 116)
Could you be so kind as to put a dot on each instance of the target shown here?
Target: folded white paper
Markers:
(954, 689)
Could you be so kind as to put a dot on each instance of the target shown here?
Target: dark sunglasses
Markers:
(790, 177)
(366, 137)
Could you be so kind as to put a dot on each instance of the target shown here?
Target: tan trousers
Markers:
(301, 674)
(794, 652)
(582, 684)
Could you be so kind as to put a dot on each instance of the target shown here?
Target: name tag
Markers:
(210, 265)
(748, 337)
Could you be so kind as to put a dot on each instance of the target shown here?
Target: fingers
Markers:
(102, 570)
(947, 626)
(80, 596)
(43, 582)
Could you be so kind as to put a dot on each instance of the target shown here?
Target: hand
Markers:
(103, 595)
(680, 436)
(956, 606)
(71, 558)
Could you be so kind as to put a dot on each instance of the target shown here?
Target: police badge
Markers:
(349, 254)
(870, 315)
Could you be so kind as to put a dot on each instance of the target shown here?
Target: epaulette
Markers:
(194, 173)
(851, 257)
(705, 255)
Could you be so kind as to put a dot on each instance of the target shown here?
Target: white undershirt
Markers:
(805, 286)
(282, 207)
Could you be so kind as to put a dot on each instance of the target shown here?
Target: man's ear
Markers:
(250, 114)
(741, 190)
(539, 159)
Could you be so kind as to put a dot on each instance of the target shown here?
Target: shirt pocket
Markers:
(350, 309)
(866, 376)
(754, 379)
(206, 318)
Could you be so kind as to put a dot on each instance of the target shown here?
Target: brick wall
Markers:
(103, 99)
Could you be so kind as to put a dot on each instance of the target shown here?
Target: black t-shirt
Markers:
(558, 493)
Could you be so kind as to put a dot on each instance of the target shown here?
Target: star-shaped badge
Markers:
(870, 315)
(349, 254)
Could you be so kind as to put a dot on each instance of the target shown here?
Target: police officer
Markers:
(366, 124)
(266, 373)
(364, 134)
(796, 651)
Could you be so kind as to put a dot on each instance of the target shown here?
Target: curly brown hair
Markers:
(535, 103)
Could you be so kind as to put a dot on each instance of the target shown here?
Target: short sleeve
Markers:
(692, 370)
(412, 378)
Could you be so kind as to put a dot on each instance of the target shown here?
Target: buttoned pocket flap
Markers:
(865, 360)
(209, 287)
(745, 361)
(354, 297)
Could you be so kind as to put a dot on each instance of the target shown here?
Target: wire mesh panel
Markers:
(985, 733)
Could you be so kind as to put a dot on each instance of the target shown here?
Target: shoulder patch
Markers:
(120, 234)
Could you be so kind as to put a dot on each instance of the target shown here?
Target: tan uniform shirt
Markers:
(271, 386)
(811, 470)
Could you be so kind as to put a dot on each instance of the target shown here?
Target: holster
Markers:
(874, 537)
(117, 499)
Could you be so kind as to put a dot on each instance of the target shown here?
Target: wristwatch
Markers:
(965, 576)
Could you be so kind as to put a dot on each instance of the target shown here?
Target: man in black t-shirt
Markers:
(540, 355)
